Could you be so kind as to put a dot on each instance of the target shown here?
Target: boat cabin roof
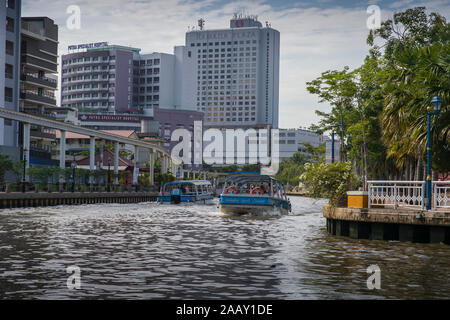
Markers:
(242, 177)
(194, 182)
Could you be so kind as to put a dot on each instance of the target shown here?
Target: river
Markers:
(153, 251)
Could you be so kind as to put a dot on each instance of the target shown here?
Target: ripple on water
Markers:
(153, 251)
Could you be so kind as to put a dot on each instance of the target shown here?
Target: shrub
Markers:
(330, 180)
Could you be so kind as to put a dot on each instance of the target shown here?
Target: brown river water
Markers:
(153, 251)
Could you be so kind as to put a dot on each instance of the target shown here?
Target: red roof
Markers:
(107, 155)
(72, 135)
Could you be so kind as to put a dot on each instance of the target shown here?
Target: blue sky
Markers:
(315, 36)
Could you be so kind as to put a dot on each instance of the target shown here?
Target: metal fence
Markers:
(396, 194)
(410, 194)
(441, 194)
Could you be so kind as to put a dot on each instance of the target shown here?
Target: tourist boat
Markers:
(186, 191)
(248, 192)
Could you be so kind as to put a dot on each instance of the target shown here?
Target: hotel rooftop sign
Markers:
(108, 118)
(87, 46)
(225, 34)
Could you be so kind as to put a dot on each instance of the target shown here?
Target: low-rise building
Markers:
(291, 139)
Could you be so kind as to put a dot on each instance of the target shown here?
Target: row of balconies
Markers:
(35, 79)
(36, 96)
(102, 71)
(66, 65)
(91, 99)
(38, 63)
(88, 80)
(88, 89)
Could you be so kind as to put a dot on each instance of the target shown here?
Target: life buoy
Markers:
(231, 188)
(261, 191)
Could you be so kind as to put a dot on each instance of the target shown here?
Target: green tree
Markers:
(290, 169)
(6, 164)
(329, 180)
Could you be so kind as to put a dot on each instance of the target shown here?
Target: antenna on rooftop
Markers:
(201, 23)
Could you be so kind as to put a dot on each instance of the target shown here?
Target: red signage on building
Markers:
(108, 118)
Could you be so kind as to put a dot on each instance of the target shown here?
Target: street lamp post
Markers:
(341, 130)
(434, 110)
(24, 168)
(72, 174)
(332, 147)
(109, 176)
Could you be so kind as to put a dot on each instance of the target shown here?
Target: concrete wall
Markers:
(185, 78)
(14, 154)
(124, 80)
(9, 129)
(2, 68)
(268, 77)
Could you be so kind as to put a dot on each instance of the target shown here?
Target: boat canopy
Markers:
(194, 182)
(248, 182)
(242, 177)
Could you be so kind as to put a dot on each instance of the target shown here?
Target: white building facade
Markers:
(236, 73)
(291, 139)
(10, 15)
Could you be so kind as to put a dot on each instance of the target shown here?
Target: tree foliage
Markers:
(383, 104)
(329, 180)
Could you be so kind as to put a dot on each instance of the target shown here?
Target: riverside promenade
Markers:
(43, 199)
(389, 224)
(393, 210)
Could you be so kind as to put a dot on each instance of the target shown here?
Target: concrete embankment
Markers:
(41, 199)
(389, 224)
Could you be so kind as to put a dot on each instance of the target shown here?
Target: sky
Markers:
(315, 36)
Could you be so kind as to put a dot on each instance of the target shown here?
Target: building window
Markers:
(8, 94)
(11, 4)
(9, 24)
(9, 48)
(8, 71)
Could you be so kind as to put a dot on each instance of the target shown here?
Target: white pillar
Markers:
(152, 168)
(26, 147)
(116, 162)
(62, 150)
(135, 171)
(62, 154)
(166, 164)
(92, 159)
(26, 143)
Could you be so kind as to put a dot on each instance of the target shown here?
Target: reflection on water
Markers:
(148, 250)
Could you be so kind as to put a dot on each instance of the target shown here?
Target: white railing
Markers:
(396, 193)
(441, 194)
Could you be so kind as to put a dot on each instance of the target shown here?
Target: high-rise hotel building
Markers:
(99, 79)
(237, 73)
(110, 79)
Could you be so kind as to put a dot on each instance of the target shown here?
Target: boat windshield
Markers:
(254, 184)
(188, 188)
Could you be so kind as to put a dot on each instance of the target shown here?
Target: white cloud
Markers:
(313, 40)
